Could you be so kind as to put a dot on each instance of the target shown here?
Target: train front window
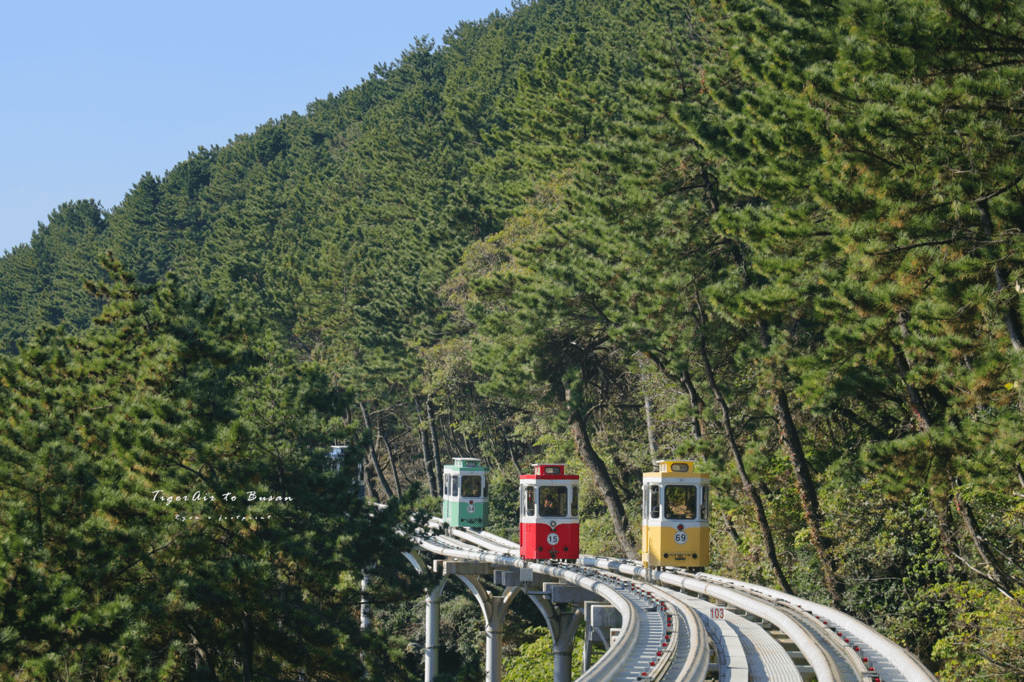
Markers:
(554, 500)
(680, 502)
(529, 509)
(471, 486)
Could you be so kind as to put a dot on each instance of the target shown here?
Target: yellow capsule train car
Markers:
(676, 512)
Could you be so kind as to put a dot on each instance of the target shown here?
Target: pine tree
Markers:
(121, 551)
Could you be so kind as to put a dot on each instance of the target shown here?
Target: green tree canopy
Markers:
(168, 508)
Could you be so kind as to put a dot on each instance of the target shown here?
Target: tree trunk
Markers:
(809, 498)
(805, 484)
(249, 638)
(696, 428)
(511, 450)
(1011, 318)
(428, 465)
(732, 530)
(448, 435)
(391, 460)
(432, 480)
(433, 440)
(914, 400)
(696, 403)
(997, 574)
(578, 428)
(947, 538)
(925, 420)
(371, 452)
(748, 487)
(650, 428)
(201, 652)
(368, 485)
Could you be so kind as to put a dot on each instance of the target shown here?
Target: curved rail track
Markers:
(684, 627)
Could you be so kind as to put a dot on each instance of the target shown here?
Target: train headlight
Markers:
(554, 525)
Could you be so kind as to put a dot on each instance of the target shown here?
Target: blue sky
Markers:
(93, 95)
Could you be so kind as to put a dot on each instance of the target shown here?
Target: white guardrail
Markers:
(891, 662)
(621, 646)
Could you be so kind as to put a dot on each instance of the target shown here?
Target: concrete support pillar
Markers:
(494, 607)
(431, 658)
(561, 624)
(364, 603)
(602, 622)
(432, 622)
(492, 648)
(588, 652)
(563, 639)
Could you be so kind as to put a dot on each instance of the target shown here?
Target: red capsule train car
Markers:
(549, 517)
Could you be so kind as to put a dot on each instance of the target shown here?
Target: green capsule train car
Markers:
(465, 503)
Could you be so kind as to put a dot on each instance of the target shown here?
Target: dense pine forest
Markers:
(782, 238)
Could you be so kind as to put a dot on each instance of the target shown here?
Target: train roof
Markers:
(675, 467)
(472, 463)
(548, 472)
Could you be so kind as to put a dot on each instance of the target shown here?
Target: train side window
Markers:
(471, 486)
(528, 504)
(680, 502)
(705, 505)
(655, 508)
(554, 500)
(485, 487)
(447, 484)
(575, 509)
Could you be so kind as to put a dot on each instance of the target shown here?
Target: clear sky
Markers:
(93, 95)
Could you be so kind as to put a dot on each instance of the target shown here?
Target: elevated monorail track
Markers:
(682, 627)
(649, 636)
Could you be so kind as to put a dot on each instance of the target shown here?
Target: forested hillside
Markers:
(781, 238)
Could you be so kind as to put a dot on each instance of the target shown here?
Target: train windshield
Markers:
(471, 486)
(554, 500)
(680, 502)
